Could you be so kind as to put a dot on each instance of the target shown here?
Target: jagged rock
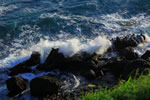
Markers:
(128, 53)
(77, 64)
(128, 40)
(54, 60)
(45, 85)
(146, 55)
(132, 67)
(16, 85)
(18, 70)
(83, 64)
(24, 67)
(90, 74)
(123, 68)
(115, 66)
(34, 59)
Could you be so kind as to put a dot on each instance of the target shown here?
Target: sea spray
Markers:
(69, 47)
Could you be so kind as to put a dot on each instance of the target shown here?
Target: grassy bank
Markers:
(136, 89)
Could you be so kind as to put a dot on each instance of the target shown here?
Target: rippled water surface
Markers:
(72, 25)
(24, 23)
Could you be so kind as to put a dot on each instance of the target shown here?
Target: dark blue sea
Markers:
(71, 25)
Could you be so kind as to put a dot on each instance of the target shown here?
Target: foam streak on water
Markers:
(72, 26)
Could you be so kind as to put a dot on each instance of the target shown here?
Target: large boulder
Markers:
(123, 68)
(115, 65)
(146, 55)
(16, 85)
(54, 60)
(78, 64)
(135, 68)
(24, 67)
(18, 70)
(34, 59)
(45, 85)
(83, 64)
(128, 53)
(128, 40)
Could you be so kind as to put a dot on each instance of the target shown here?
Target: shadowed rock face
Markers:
(19, 69)
(16, 85)
(135, 65)
(128, 40)
(24, 67)
(92, 66)
(128, 53)
(146, 55)
(54, 60)
(124, 68)
(45, 85)
(82, 64)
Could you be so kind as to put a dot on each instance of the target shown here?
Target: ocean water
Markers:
(71, 25)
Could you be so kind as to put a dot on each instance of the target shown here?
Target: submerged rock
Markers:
(24, 67)
(45, 85)
(16, 85)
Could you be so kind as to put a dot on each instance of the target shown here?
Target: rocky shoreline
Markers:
(91, 66)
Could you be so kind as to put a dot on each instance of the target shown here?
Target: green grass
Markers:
(133, 89)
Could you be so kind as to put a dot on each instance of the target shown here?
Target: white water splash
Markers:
(67, 47)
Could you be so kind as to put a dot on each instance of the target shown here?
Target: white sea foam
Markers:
(67, 47)
(74, 45)
(4, 9)
(139, 23)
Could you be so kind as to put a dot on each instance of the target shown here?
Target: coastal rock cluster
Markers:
(91, 66)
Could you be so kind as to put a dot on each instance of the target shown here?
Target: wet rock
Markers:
(45, 85)
(54, 60)
(146, 55)
(34, 59)
(132, 66)
(24, 67)
(128, 40)
(77, 64)
(16, 85)
(82, 66)
(91, 74)
(18, 70)
(128, 53)
(115, 66)
(123, 68)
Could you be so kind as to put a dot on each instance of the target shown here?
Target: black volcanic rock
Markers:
(146, 55)
(45, 85)
(54, 60)
(34, 59)
(122, 68)
(77, 64)
(24, 67)
(128, 53)
(115, 66)
(18, 70)
(16, 85)
(128, 40)
(135, 67)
